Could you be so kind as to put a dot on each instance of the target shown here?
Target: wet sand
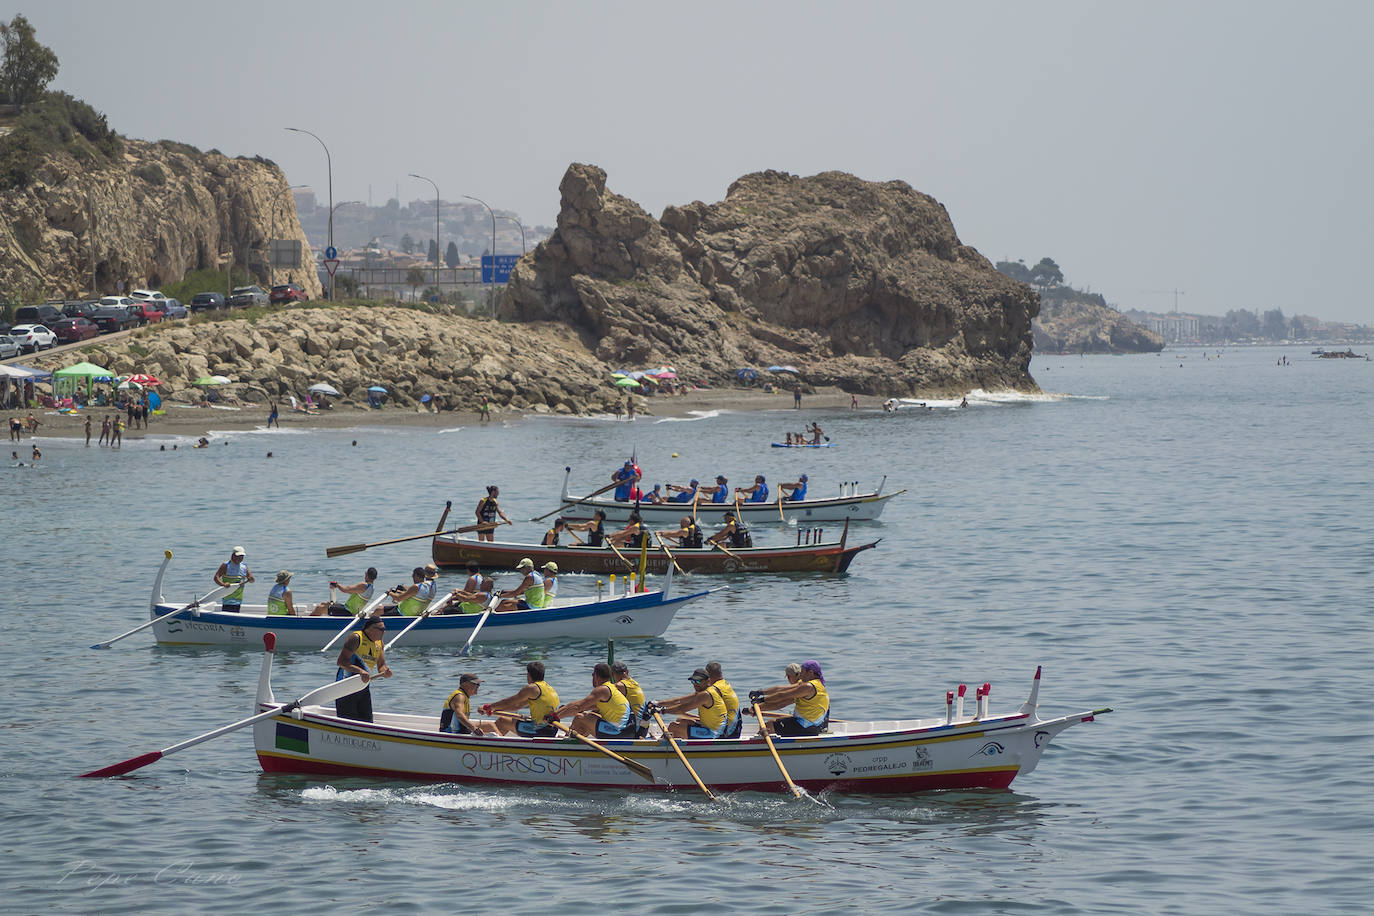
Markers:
(199, 421)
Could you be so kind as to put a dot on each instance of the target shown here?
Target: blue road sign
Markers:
(331, 253)
(505, 263)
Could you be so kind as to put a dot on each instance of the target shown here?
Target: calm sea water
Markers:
(1186, 539)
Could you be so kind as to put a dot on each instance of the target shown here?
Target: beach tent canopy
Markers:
(791, 369)
(84, 370)
(377, 389)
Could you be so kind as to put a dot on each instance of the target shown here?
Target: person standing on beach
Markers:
(88, 430)
(796, 397)
(272, 415)
(117, 432)
(630, 407)
(105, 431)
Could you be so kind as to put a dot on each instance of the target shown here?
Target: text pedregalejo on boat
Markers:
(879, 757)
(854, 506)
(636, 615)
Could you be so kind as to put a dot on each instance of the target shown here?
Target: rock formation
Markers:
(864, 285)
(166, 209)
(1068, 326)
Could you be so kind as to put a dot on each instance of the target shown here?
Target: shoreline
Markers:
(199, 421)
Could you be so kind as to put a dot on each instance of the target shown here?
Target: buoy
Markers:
(674, 454)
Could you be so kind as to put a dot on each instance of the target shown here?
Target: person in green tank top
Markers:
(355, 596)
(529, 593)
(232, 572)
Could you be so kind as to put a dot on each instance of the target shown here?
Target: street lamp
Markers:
(329, 162)
(436, 228)
(492, 300)
(522, 231)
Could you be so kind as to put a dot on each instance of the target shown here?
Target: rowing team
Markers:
(627, 489)
(634, 535)
(536, 589)
(617, 707)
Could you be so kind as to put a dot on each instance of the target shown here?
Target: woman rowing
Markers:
(595, 528)
(632, 535)
(806, 691)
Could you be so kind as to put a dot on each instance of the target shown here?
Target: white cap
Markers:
(238, 552)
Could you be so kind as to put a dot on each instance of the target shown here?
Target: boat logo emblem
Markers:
(837, 764)
(989, 749)
(624, 620)
(1042, 738)
(174, 626)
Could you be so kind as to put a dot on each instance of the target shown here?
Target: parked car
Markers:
(145, 295)
(111, 318)
(202, 301)
(9, 347)
(116, 300)
(79, 309)
(244, 296)
(173, 308)
(71, 330)
(32, 337)
(145, 312)
(37, 314)
(287, 292)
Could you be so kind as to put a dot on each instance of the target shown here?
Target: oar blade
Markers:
(344, 550)
(127, 766)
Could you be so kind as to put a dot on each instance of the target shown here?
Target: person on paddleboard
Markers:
(363, 652)
(811, 703)
(603, 713)
(233, 572)
(539, 699)
(710, 719)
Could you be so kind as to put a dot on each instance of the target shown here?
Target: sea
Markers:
(1184, 537)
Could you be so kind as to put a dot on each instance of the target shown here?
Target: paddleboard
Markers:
(804, 445)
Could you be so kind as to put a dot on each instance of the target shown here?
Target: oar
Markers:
(209, 596)
(638, 768)
(566, 503)
(491, 606)
(628, 565)
(429, 609)
(683, 757)
(358, 548)
(665, 549)
(325, 694)
(366, 609)
(727, 550)
(796, 789)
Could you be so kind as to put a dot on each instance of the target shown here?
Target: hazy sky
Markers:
(1219, 148)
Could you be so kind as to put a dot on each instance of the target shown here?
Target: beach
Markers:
(185, 420)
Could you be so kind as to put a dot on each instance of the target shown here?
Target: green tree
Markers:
(451, 255)
(407, 243)
(1046, 273)
(433, 255)
(1017, 270)
(414, 277)
(1274, 324)
(28, 66)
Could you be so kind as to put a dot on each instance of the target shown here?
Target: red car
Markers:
(70, 330)
(287, 292)
(145, 313)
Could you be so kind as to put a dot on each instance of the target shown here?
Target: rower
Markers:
(734, 532)
(603, 713)
(710, 720)
(632, 535)
(231, 572)
(279, 603)
(528, 594)
(811, 703)
(357, 594)
(719, 492)
(595, 528)
(686, 494)
(793, 492)
(363, 649)
(454, 718)
(634, 693)
(688, 533)
(486, 512)
(539, 699)
(654, 496)
(733, 722)
(411, 600)
(758, 493)
(560, 526)
(473, 597)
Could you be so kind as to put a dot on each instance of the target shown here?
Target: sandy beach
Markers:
(199, 421)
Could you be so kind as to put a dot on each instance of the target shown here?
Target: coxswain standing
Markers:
(487, 510)
(625, 477)
(364, 653)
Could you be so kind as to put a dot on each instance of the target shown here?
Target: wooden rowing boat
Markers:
(638, 615)
(451, 551)
(878, 757)
(852, 506)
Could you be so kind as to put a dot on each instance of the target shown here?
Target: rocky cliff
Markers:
(860, 284)
(158, 212)
(1068, 326)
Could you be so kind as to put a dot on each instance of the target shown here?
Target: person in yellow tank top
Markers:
(710, 720)
(603, 713)
(810, 699)
(634, 694)
(540, 700)
(455, 717)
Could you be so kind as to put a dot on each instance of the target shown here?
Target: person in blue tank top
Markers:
(758, 493)
(719, 493)
(233, 572)
(685, 494)
(625, 478)
(793, 492)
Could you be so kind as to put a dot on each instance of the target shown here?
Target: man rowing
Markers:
(758, 493)
(734, 532)
(603, 713)
(595, 528)
(528, 594)
(811, 703)
(632, 535)
(634, 693)
(727, 693)
(625, 477)
(411, 600)
(718, 493)
(473, 597)
(364, 653)
(793, 492)
(685, 494)
(537, 697)
(560, 527)
(710, 720)
(688, 533)
(815, 430)
(357, 595)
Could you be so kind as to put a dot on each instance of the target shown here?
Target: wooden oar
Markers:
(209, 596)
(638, 768)
(363, 612)
(683, 757)
(665, 549)
(566, 502)
(491, 606)
(628, 565)
(358, 548)
(727, 550)
(429, 609)
(325, 694)
(796, 789)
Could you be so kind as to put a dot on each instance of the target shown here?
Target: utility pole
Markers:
(1165, 292)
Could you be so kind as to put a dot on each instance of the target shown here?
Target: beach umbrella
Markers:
(127, 384)
(791, 369)
(746, 373)
(211, 380)
(322, 388)
(666, 373)
(140, 378)
(626, 383)
(377, 389)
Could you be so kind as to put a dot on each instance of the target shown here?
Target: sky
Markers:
(1222, 149)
